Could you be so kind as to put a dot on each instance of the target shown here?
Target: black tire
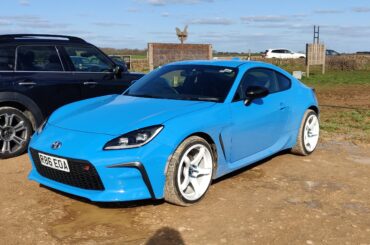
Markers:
(15, 132)
(300, 148)
(172, 190)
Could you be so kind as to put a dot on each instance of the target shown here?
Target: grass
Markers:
(345, 110)
(138, 56)
(331, 78)
(354, 125)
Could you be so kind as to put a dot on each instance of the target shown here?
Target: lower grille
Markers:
(82, 173)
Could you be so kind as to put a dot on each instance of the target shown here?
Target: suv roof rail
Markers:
(31, 36)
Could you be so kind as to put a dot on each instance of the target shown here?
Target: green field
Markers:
(338, 78)
(344, 99)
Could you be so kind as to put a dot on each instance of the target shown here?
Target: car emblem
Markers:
(56, 145)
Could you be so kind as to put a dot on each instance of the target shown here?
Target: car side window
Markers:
(260, 77)
(38, 58)
(257, 77)
(7, 58)
(283, 82)
(88, 59)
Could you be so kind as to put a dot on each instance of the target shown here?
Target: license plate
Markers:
(54, 162)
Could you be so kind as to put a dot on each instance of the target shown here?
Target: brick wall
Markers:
(163, 53)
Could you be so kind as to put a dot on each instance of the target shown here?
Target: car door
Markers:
(95, 71)
(260, 125)
(40, 75)
(276, 54)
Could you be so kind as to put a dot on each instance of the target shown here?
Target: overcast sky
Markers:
(230, 25)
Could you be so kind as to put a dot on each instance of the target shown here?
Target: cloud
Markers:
(24, 2)
(265, 18)
(133, 10)
(361, 9)
(350, 31)
(165, 14)
(30, 21)
(211, 21)
(109, 24)
(328, 11)
(166, 2)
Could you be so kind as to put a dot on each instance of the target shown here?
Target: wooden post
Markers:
(150, 57)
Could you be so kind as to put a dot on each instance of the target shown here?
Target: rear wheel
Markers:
(15, 132)
(189, 172)
(308, 135)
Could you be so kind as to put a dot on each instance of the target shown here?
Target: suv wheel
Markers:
(15, 132)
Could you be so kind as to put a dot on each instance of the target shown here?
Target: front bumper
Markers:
(126, 175)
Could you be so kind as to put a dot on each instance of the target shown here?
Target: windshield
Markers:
(186, 82)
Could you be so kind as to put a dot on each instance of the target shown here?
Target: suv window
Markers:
(276, 51)
(88, 59)
(284, 82)
(38, 58)
(6, 58)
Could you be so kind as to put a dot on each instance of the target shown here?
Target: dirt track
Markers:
(320, 199)
(323, 198)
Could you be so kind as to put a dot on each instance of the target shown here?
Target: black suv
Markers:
(39, 73)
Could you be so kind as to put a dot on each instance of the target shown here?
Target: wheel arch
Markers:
(314, 108)
(24, 104)
(211, 142)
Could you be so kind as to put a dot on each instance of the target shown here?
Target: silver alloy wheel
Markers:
(311, 133)
(195, 172)
(13, 133)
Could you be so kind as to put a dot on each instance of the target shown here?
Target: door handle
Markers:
(27, 83)
(283, 106)
(90, 83)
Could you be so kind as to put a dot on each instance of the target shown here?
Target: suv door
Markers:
(95, 71)
(262, 124)
(7, 62)
(40, 75)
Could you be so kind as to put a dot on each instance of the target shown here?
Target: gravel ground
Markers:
(320, 199)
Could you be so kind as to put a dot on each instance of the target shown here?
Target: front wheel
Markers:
(189, 172)
(15, 132)
(308, 135)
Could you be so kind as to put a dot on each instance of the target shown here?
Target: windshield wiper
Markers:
(200, 98)
(144, 96)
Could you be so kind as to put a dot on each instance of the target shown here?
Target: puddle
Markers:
(86, 221)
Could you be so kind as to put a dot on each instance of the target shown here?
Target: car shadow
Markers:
(111, 205)
(155, 202)
(164, 236)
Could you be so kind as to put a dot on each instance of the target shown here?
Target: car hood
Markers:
(119, 114)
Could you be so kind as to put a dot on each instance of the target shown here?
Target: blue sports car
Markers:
(175, 130)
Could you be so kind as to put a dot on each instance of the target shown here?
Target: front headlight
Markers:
(134, 139)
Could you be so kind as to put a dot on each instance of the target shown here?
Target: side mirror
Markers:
(117, 70)
(254, 92)
(133, 81)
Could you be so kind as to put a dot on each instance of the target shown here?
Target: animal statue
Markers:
(182, 35)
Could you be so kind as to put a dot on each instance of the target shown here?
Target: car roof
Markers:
(40, 39)
(279, 49)
(226, 63)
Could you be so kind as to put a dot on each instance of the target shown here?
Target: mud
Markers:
(286, 199)
(320, 199)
